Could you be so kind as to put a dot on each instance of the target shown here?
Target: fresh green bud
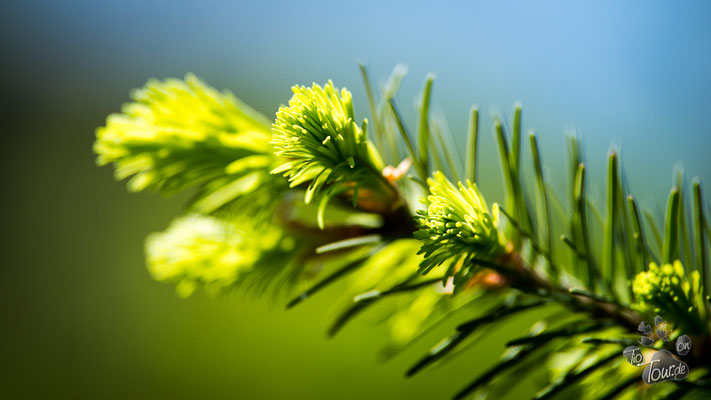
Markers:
(669, 290)
(202, 251)
(318, 137)
(456, 223)
(178, 134)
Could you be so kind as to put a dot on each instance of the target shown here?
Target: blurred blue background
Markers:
(81, 317)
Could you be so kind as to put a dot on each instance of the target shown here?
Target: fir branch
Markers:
(179, 134)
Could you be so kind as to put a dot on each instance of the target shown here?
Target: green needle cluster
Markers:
(667, 287)
(203, 251)
(177, 134)
(322, 145)
(456, 223)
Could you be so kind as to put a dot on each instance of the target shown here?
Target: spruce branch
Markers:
(248, 227)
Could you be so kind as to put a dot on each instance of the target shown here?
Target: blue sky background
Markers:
(631, 74)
